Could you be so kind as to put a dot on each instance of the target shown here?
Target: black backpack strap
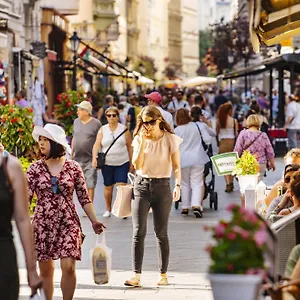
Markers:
(115, 141)
(7, 180)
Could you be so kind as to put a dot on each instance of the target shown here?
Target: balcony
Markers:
(67, 8)
(104, 14)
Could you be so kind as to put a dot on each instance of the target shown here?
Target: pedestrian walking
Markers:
(292, 123)
(118, 158)
(155, 99)
(177, 103)
(205, 115)
(155, 153)
(85, 132)
(38, 102)
(57, 229)
(227, 131)
(109, 102)
(219, 100)
(192, 161)
(256, 142)
(14, 204)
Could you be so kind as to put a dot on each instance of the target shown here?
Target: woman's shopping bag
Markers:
(40, 295)
(101, 260)
(122, 205)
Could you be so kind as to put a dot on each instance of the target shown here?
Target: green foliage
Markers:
(239, 244)
(16, 129)
(205, 43)
(148, 64)
(247, 164)
(25, 162)
(65, 111)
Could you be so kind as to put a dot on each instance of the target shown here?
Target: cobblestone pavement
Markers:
(188, 261)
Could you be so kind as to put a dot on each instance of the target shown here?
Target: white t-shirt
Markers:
(167, 116)
(293, 111)
(191, 149)
(175, 104)
(118, 154)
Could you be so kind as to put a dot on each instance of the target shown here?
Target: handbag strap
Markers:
(115, 141)
(202, 142)
(252, 142)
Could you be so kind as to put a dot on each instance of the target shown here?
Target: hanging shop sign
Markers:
(39, 49)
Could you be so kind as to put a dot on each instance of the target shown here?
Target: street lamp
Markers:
(75, 40)
(246, 53)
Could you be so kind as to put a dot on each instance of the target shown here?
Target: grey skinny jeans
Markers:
(154, 193)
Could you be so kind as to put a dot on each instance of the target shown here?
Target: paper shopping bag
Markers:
(122, 204)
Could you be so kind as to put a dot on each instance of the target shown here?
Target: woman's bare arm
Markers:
(129, 148)
(21, 216)
(96, 148)
(138, 155)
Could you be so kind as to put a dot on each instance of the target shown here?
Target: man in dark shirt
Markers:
(220, 99)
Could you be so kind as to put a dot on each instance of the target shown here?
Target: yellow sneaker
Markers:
(135, 281)
(163, 280)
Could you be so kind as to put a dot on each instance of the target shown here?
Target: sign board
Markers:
(224, 163)
(39, 49)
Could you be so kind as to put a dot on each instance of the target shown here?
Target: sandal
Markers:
(163, 280)
(135, 281)
(198, 212)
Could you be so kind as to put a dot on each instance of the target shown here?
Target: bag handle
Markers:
(131, 177)
(115, 141)
(202, 142)
(102, 237)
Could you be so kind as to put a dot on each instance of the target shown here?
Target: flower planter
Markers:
(246, 180)
(235, 287)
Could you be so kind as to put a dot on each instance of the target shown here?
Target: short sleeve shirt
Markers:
(84, 137)
(157, 160)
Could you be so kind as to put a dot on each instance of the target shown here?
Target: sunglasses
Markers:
(111, 115)
(287, 179)
(54, 183)
(152, 122)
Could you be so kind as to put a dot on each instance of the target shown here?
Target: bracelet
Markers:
(178, 185)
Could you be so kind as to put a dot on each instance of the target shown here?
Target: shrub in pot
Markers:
(247, 170)
(65, 110)
(237, 255)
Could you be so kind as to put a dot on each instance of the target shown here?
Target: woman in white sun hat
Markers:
(57, 228)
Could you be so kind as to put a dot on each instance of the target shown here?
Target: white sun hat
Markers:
(52, 132)
(86, 105)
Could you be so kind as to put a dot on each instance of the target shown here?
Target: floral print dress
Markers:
(56, 223)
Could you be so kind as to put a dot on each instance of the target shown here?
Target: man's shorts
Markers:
(90, 174)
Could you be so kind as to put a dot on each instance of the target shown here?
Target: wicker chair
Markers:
(287, 230)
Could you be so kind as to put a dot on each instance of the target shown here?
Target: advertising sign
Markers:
(224, 163)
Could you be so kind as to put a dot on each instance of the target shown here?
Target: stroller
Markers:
(209, 183)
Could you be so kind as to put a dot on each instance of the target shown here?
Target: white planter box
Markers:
(247, 180)
(235, 287)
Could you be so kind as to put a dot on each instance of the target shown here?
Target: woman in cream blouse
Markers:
(155, 154)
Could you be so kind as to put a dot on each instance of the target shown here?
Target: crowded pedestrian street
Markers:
(189, 261)
(149, 149)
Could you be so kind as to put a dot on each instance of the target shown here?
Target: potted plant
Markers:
(247, 171)
(237, 256)
(16, 126)
(66, 111)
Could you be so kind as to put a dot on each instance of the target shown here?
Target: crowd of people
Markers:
(152, 135)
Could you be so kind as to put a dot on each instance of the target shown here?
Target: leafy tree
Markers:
(205, 43)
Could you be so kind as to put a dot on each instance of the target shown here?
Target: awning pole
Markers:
(281, 115)
(271, 96)
(292, 75)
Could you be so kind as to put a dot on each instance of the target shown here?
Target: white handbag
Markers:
(122, 204)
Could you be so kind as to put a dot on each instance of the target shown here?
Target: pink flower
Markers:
(260, 237)
(251, 271)
(249, 215)
(220, 229)
(231, 207)
(242, 232)
(232, 236)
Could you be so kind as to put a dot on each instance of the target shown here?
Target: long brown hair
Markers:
(155, 114)
(223, 112)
